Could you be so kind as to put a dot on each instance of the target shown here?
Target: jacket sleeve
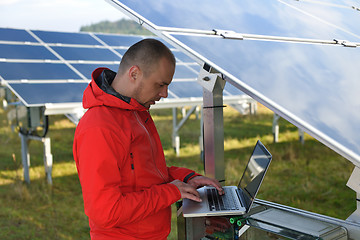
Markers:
(182, 174)
(96, 153)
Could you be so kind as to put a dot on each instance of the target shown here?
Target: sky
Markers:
(55, 15)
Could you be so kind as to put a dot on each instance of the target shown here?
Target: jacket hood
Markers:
(94, 95)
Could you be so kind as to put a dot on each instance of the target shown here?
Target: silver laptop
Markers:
(237, 200)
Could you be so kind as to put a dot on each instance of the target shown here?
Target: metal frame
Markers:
(48, 158)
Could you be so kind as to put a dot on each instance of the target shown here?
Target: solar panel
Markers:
(46, 67)
(115, 40)
(86, 69)
(36, 94)
(282, 55)
(276, 18)
(342, 16)
(86, 54)
(186, 89)
(18, 35)
(18, 71)
(12, 51)
(66, 38)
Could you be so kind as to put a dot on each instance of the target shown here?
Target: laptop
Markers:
(237, 200)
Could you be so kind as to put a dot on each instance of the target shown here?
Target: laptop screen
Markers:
(254, 173)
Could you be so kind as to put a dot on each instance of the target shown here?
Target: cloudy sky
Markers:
(56, 15)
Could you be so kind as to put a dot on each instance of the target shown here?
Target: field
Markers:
(309, 176)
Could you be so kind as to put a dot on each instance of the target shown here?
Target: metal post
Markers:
(48, 159)
(25, 156)
(213, 86)
(175, 135)
(178, 126)
(201, 138)
(275, 127)
(301, 136)
(353, 183)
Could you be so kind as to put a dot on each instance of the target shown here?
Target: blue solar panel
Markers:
(66, 38)
(119, 40)
(8, 34)
(38, 94)
(182, 71)
(121, 51)
(42, 72)
(87, 69)
(231, 90)
(36, 71)
(182, 57)
(10, 51)
(248, 16)
(90, 54)
(347, 19)
(316, 83)
(186, 89)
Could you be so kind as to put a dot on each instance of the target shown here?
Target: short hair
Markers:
(145, 54)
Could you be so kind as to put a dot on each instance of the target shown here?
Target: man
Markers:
(127, 187)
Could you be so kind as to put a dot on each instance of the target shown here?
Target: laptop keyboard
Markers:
(224, 202)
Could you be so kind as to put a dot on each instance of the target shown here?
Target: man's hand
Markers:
(187, 190)
(200, 181)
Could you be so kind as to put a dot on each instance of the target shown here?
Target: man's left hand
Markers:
(200, 181)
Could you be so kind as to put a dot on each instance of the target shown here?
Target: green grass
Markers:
(309, 176)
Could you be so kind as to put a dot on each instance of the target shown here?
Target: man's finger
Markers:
(192, 197)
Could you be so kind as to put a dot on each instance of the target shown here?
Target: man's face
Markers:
(153, 87)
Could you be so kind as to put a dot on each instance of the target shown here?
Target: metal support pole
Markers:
(213, 86)
(178, 126)
(275, 127)
(201, 138)
(48, 159)
(353, 183)
(25, 156)
(175, 135)
(301, 136)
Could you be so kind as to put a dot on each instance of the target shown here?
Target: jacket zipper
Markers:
(152, 151)
(133, 170)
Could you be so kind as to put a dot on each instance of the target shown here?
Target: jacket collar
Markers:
(100, 93)
(104, 81)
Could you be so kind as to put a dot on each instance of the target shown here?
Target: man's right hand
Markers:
(187, 191)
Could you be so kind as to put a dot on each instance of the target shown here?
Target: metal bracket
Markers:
(228, 34)
(353, 183)
(208, 77)
(345, 43)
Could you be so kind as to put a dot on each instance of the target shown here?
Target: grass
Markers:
(309, 176)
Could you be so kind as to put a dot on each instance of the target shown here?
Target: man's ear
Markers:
(134, 73)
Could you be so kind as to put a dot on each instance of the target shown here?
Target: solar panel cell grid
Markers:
(35, 94)
(86, 54)
(118, 40)
(11, 51)
(36, 71)
(8, 34)
(66, 38)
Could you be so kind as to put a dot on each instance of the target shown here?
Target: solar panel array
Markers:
(53, 68)
(299, 58)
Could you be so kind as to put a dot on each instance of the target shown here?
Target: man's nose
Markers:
(164, 92)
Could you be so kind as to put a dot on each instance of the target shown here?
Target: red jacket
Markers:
(122, 169)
